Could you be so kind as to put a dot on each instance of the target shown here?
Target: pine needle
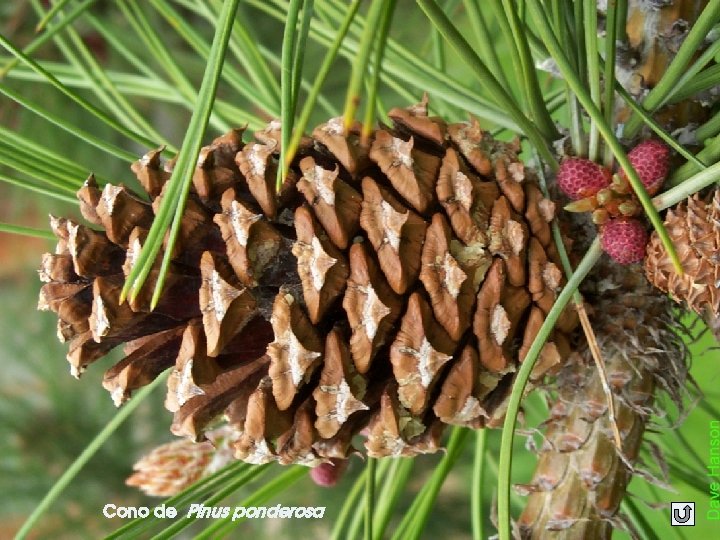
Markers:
(26, 231)
(288, 76)
(54, 10)
(71, 472)
(360, 66)
(521, 380)
(602, 371)
(171, 209)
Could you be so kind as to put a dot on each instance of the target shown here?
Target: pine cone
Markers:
(394, 287)
(694, 228)
(581, 478)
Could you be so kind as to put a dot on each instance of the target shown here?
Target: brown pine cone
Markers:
(394, 287)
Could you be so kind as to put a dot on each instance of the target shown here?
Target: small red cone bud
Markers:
(624, 239)
(651, 160)
(579, 178)
(328, 474)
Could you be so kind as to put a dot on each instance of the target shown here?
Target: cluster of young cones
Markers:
(614, 207)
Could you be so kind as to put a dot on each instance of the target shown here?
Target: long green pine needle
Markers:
(393, 486)
(53, 192)
(529, 77)
(485, 41)
(287, 78)
(89, 451)
(11, 228)
(21, 143)
(126, 111)
(369, 497)
(356, 527)
(173, 203)
(704, 81)
(709, 154)
(500, 96)
(709, 128)
(40, 40)
(413, 523)
(355, 86)
(298, 60)
(63, 124)
(608, 101)
(28, 163)
(160, 53)
(309, 105)
(349, 507)
(380, 42)
(248, 53)
(232, 76)
(693, 70)
(593, 71)
(146, 33)
(52, 12)
(515, 88)
(520, 383)
(688, 187)
(404, 71)
(80, 57)
(92, 109)
(477, 509)
(657, 128)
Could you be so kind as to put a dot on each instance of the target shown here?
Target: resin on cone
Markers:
(392, 287)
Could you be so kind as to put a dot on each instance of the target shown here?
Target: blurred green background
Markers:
(47, 417)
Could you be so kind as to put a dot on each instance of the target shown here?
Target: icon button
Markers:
(682, 514)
